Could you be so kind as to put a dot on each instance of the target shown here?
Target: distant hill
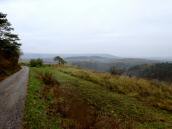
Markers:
(99, 58)
(98, 62)
(48, 58)
(164, 59)
(40, 55)
(103, 64)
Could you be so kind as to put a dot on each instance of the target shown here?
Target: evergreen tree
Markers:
(9, 45)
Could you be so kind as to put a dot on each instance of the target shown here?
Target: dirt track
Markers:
(12, 98)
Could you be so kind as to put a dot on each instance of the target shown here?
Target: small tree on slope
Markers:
(59, 60)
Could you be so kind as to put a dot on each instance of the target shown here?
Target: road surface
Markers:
(12, 99)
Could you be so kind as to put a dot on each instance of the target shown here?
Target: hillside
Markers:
(70, 98)
(104, 64)
(160, 71)
(28, 56)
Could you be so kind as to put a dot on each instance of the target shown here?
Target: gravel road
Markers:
(12, 99)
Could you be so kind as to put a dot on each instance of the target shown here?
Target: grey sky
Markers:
(141, 28)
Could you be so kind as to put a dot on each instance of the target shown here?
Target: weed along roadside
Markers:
(71, 98)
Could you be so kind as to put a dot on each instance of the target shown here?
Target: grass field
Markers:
(83, 99)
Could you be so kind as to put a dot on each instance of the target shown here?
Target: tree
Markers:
(8, 39)
(59, 60)
(9, 45)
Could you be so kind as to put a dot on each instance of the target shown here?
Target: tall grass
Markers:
(153, 93)
(47, 78)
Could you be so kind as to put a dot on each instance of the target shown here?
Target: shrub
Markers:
(47, 78)
(36, 62)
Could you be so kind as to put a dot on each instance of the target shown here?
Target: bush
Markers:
(47, 78)
(36, 62)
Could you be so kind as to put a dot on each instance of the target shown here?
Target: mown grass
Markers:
(132, 103)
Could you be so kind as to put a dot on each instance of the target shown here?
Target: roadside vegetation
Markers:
(36, 62)
(65, 97)
(9, 48)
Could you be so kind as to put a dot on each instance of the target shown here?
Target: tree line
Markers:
(159, 71)
(9, 46)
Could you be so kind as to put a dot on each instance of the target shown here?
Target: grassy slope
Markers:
(144, 103)
(35, 116)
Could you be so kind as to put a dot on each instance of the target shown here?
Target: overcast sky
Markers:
(130, 28)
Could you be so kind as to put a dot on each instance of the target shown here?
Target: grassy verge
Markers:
(35, 116)
(110, 102)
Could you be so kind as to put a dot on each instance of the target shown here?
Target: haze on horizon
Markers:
(128, 28)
